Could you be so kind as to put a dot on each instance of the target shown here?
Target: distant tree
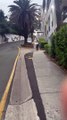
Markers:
(2, 17)
(3, 24)
(24, 15)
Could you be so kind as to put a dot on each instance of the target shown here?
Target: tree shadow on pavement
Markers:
(34, 86)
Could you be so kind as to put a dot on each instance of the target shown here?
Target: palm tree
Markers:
(24, 15)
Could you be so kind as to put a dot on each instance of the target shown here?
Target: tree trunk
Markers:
(25, 40)
(32, 31)
(25, 34)
(32, 37)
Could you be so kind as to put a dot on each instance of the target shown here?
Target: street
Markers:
(8, 53)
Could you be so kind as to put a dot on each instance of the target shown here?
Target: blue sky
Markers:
(4, 4)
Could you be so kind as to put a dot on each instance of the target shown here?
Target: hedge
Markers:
(42, 42)
(47, 48)
(59, 46)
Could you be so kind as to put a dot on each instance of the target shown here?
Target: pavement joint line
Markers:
(30, 58)
(51, 92)
(5, 95)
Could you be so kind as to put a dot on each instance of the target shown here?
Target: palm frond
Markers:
(14, 8)
(24, 14)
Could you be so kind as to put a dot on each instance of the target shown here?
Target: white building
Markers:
(1, 39)
(11, 38)
(53, 16)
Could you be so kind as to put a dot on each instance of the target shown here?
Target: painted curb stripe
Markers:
(5, 95)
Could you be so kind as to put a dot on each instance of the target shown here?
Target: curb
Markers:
(6, 92)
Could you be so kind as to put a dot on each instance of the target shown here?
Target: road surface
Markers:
(8, 53)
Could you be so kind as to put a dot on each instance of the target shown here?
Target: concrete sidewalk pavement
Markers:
(49, 78)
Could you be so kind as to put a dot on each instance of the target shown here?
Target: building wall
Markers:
(53, 16)
(50, 21)
(64, 3)
(42, 22)
(64, 10)
(1, 39)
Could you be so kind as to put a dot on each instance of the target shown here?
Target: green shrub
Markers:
(47, 47)
(59, 46)
(42, 42)
(53, 46)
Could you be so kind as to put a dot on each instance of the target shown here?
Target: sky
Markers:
(5, 3)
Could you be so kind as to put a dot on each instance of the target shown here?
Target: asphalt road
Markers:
(8, 53)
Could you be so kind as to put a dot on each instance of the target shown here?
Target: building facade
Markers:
(53, 15)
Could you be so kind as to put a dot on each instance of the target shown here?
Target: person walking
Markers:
(36, 44)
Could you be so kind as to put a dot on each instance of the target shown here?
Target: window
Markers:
(51, 18)
(49, 28)
(52, 23)
(48, 4)
(64, 13)
(49, 23)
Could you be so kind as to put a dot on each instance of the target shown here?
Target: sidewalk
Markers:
(25, 94)
(49, 78)
(21, 106)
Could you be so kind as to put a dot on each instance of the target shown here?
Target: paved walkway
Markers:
(49, 77)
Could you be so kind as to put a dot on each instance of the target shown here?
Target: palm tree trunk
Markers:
(32, 37)
(25, 40)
